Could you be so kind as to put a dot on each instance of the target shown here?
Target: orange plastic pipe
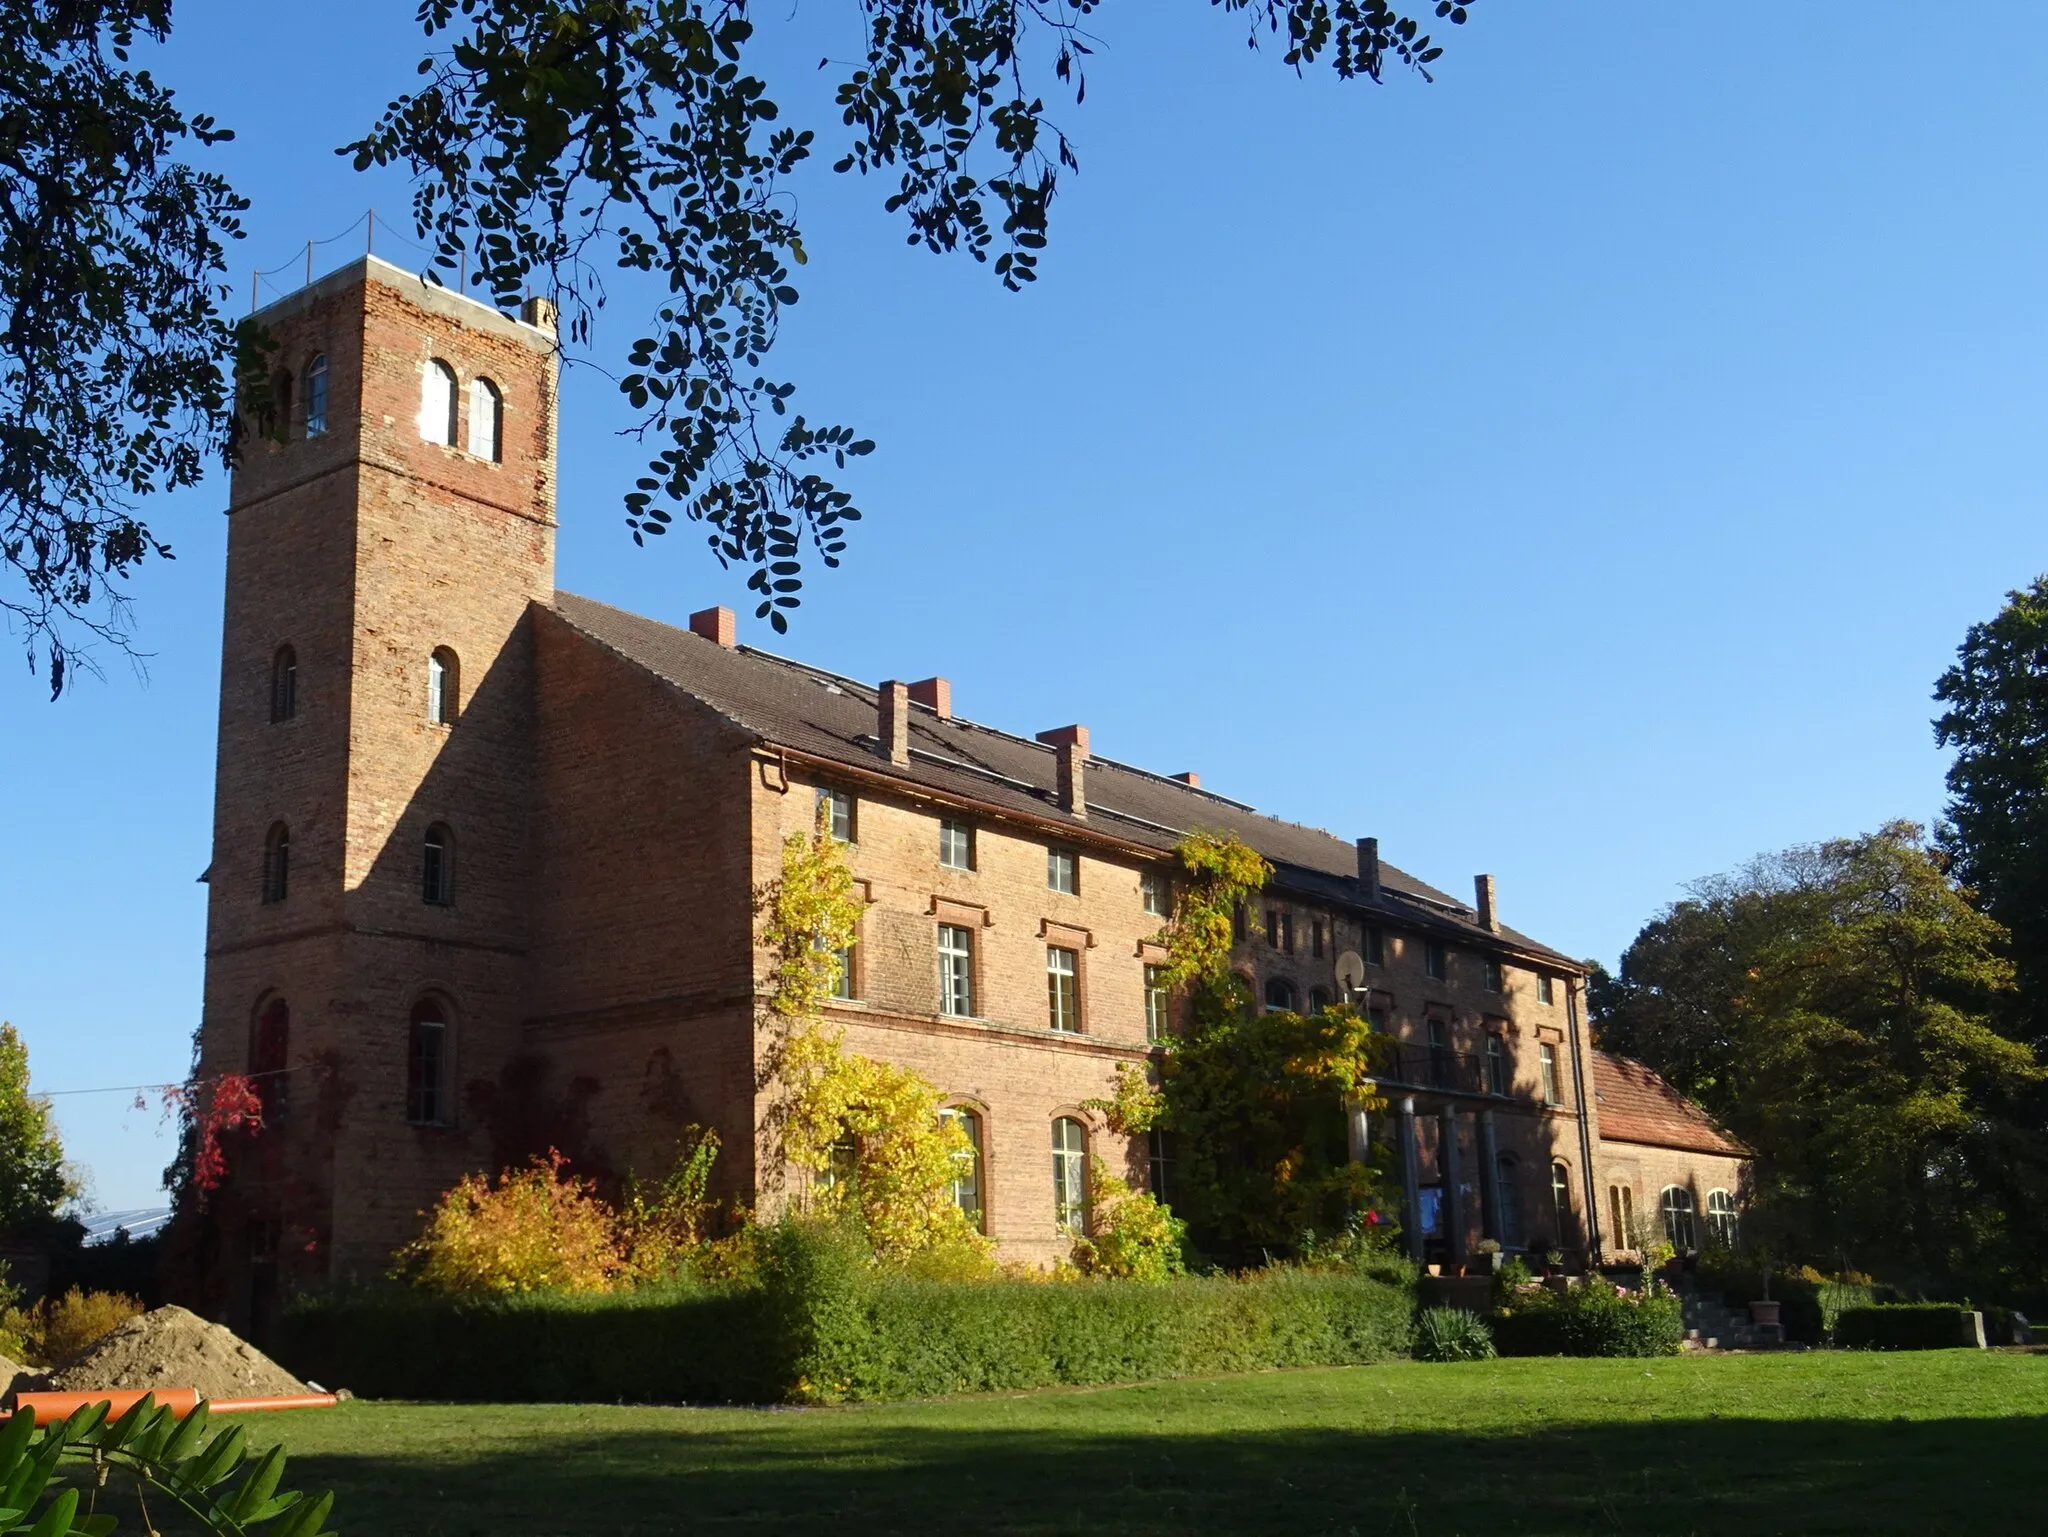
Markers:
(53, 1408)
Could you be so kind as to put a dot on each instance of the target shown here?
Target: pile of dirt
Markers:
(9, 1370)
(171, 1348)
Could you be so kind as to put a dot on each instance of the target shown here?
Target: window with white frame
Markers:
(956, 844)
(1721, 1219)
(1155, 890)
(1561, 1200)
(1070, 1174)
(1545, 988)
(956, 970)
(836, 808)
(1548, 1055)
(1679, 1231)
(966, 1186)
(1621, 1206)
(1496, 976)
(1062, 872)
(1062, 987)
(437, 404)
(486, 420)
(1158, 1023)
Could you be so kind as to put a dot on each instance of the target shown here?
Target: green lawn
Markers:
(1949, 1441)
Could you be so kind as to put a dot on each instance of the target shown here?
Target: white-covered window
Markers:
(486, 420)
(316, 396)
(1621, 1205)
(437, 404)
(1070, 1174)
(1062, 988)
(956, 970)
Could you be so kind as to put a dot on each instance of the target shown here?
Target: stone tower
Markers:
(391, 529)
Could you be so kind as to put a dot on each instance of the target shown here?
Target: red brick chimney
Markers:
(1489, 919)
(716, 624)
(892, 700)
(935, 694)
(1191, 779)
(1071, 742)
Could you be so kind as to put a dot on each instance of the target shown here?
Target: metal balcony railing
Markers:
(1430, 1067)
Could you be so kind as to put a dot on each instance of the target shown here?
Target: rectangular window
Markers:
(1550, 1094)
(1159, 1161)
(1496, 977)
(1156, 891)
(1375, 948)
(1496, 1065)
(956, 970)
(1156, 1019)
(1376, 1017)
(956, 845)
(1434, 960)
(1060, 871)
(1238, 928)
(1439, 1053)
(425, 1070)
(838, 805)
(1272, 928)
(1062, 989)
(1543, 990)
(1316, 939)
(843, 986)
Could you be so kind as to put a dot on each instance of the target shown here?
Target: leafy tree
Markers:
(33, 1179)
(112, 342)
(1836, 1006)
(1997, 720)
(551, 139)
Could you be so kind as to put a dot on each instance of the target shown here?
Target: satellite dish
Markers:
(1351, 971)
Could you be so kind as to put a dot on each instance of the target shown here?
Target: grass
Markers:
(1936, 1441)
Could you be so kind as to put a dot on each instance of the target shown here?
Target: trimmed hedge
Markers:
(1589, 1320)
(1907, 1326)
(823, 1329)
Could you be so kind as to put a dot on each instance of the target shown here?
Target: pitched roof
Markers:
(1637, 1105)
(823, 715)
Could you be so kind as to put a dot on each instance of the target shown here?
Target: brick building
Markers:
(484, 855)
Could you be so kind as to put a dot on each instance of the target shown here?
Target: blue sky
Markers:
(1578, 469)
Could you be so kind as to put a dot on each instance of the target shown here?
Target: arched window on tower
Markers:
(277, 862)
(437, 404)
(270, 1055)
(444, 687)
(316, 396)
(426, 1065)
(437, 867)
(284, 685)
(486, 420)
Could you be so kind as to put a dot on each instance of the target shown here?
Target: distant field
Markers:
(1950, 1441)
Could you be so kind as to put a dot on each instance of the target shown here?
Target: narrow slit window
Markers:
(316, 396)
(1551, 1096)
(277, 863)
(284, 685)
(437, 867)
(270, 1055)
(444, 687)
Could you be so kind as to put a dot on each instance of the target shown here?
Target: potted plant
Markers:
(1490, 1257)
(1763, 1312)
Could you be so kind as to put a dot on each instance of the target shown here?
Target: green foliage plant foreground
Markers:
(1594, 1318)
(819, 1322)
(166, 1467)
(1841, 1442)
